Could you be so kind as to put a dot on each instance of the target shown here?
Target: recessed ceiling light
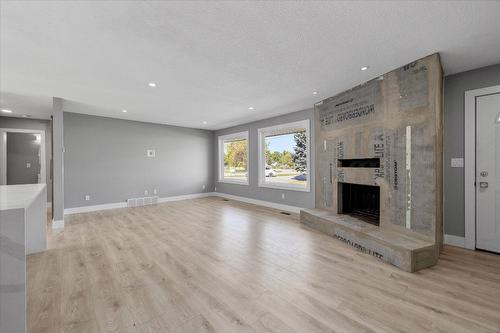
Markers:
(6, 111)
(26, 116)
(315, 92)
(124, 111)
(364, 68)
(250, 108)
(152, 84)
(204, 122)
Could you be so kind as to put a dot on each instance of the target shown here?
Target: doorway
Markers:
(22, 156)
(482, 169)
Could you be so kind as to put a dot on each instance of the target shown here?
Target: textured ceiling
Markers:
(23, 105)
(213, 60)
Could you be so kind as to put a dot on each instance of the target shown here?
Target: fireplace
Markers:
(361, 201)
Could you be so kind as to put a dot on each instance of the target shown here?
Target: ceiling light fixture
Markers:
(124, 111)
(152, 84)
(364, 68)
(26, 116)
(204, 122)
(251, 108)
(315, 92)
(6, 111)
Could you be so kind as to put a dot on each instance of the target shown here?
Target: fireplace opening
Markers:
(361, 201)
(359, 163)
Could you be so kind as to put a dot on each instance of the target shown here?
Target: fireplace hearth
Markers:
(360, 201)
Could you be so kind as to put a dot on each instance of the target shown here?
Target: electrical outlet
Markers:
(155, 191)
(203, 186)
(28, 165)
(146, 192)
(87, 197)
(282, 195)
(215, 189)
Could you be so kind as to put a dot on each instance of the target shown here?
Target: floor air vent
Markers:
(145, 201)
(285, 213)
(225, 199)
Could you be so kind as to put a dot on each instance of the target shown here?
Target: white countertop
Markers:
(19, 196)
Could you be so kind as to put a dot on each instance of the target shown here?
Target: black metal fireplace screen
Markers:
(361, 201)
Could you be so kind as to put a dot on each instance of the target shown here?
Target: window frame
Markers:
(262, 133)
(221, 139)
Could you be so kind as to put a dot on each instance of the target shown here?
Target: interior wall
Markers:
(34, 124)
(252, 190)
(106, 159)
(455, 87)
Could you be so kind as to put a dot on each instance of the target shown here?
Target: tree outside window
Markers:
(233, 158)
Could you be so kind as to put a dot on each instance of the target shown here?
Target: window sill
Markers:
(229, 181)
(285, 187)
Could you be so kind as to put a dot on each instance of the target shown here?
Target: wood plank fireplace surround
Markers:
(379, 166)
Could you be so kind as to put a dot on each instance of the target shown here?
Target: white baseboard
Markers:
(287, 208)
(185, 197)
(454, 240)
(59, 224)
(95, 208)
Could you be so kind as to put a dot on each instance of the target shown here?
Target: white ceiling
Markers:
(213, 60)
(23, 105)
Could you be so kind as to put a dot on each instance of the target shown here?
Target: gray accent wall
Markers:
(34, 124)
(252, 190)
(106, 159)
(455, 87)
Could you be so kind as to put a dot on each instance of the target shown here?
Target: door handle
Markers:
(483, 184)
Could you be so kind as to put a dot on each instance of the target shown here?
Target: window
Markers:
(284, 156)
(233, 158)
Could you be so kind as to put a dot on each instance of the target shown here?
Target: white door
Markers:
(488, 172)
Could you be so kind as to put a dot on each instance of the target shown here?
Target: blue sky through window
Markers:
(281, 142)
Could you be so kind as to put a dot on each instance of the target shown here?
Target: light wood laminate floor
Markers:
(208, 265)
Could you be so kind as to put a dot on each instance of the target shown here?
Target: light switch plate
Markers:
(150, 153)
(457, 162)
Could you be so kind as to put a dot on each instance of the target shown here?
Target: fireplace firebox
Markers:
(360, 201)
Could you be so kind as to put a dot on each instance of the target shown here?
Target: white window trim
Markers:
(262, 161)
(222, 138)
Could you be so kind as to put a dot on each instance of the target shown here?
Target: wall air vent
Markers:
(144, 201)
